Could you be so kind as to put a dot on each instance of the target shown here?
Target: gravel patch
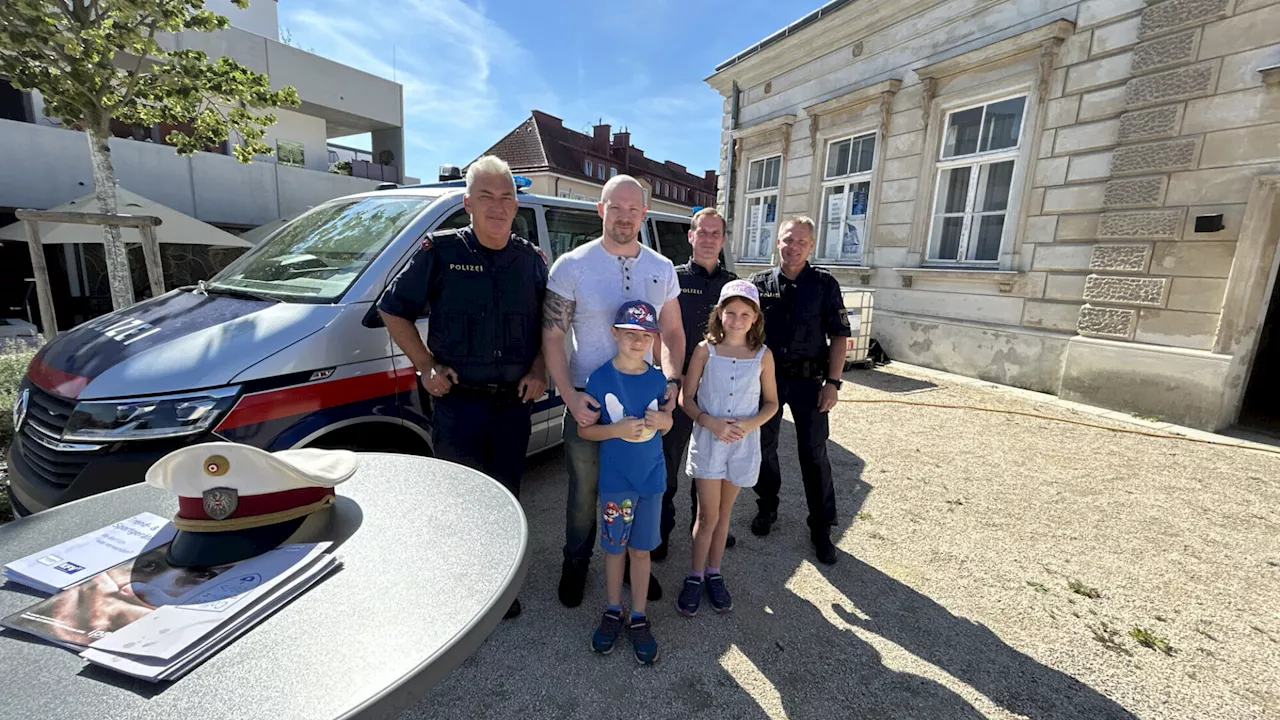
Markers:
(962, 535)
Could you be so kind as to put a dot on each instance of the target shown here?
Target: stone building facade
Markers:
(1078, 198)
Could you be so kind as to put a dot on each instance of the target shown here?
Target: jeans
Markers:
(674, 445)
(812, 429)
(488, 434)
(582, 461)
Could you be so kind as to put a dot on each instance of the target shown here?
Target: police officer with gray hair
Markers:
(806, 328)
(482, 287)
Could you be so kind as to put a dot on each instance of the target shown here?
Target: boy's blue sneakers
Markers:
(690, 596)
(642, 639)
(606, 636)
(720, 599)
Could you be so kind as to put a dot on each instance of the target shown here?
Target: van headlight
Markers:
(148, 418)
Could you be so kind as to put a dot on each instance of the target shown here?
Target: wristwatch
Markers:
(676, 381)
(833, 381)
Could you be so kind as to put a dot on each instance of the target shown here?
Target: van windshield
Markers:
(320, 254)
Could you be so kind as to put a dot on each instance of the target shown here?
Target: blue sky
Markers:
(473, 70)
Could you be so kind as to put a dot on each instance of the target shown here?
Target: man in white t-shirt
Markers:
(586, 287)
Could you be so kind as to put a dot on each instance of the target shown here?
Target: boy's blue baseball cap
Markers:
(636, 315)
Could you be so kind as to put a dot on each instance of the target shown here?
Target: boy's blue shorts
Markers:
(630, 520)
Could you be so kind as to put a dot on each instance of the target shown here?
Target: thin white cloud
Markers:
(468, 80)
(449, 56)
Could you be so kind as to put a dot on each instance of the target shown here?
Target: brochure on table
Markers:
(155, 669)
(61, 566)
(171, 629)
(151, 620)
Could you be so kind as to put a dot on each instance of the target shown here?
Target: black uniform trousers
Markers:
(812, 429)
(485, 432)
(674, 444)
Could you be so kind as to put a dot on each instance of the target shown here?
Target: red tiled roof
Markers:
(521, 148)
(542, 142)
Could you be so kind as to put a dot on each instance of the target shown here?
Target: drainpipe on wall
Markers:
(728, 176)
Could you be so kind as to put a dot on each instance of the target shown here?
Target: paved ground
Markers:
(960, 533)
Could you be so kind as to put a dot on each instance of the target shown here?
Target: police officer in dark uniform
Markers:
(482, 287)
(700, 282)
(805, 326)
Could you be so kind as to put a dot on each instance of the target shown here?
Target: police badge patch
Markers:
(220, 502)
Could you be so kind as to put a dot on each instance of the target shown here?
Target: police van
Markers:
(283, 348)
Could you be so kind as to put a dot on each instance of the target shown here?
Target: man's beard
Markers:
(622, 237)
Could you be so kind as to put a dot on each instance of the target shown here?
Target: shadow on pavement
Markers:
(887, 382)
(820, 668)
(789, 645)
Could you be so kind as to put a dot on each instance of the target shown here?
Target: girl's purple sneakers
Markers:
(719, 594)
(690, 596)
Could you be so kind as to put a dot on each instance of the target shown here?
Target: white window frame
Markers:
(760, 197)
(600, 172)
(976, 161)
(846, 181)
(586, 164)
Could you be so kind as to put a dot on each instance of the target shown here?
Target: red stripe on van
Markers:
(301, 399)
(55, 380)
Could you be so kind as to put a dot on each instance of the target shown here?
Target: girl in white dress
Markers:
(729, 392)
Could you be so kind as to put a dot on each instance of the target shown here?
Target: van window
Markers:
(320, 254)
(673, 239)
(570, 228)
(525, 224)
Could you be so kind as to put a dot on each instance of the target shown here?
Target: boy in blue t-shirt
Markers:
(633, 473)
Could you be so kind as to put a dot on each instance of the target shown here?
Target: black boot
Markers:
(822, 546)
(573, 578)
(763, 522)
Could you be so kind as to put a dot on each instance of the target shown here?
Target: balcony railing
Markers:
(374, 171)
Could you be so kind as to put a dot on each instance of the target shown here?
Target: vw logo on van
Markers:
(20, 409)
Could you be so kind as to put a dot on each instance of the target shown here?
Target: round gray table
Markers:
(433, 555)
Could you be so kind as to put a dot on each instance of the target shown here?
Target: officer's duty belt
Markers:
(487, 390)
(802, 369)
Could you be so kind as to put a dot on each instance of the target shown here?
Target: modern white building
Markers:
(45, 165)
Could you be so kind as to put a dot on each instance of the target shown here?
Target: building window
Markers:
(600, 172)
(613, 172)
(289, 152)
(586, 164)
(975, 179)
(846, 193)
(762, 207)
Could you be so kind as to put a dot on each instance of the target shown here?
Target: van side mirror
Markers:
(371, 318)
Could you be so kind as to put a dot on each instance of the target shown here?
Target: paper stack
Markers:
(64, 565)
(152, 621)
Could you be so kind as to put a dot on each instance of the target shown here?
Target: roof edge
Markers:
(785, 32)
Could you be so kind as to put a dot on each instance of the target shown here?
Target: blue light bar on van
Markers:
(696, 209)
(522, 182)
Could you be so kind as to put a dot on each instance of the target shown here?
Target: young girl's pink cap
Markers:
(740, 288)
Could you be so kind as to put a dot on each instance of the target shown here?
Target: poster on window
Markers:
(855, 224)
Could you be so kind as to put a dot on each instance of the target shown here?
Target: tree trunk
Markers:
(104, 188)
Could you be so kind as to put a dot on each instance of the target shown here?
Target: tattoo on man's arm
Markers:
(557, 312)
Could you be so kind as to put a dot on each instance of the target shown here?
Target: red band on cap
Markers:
(192, 508)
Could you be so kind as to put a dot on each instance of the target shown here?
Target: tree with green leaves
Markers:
(95, 60)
